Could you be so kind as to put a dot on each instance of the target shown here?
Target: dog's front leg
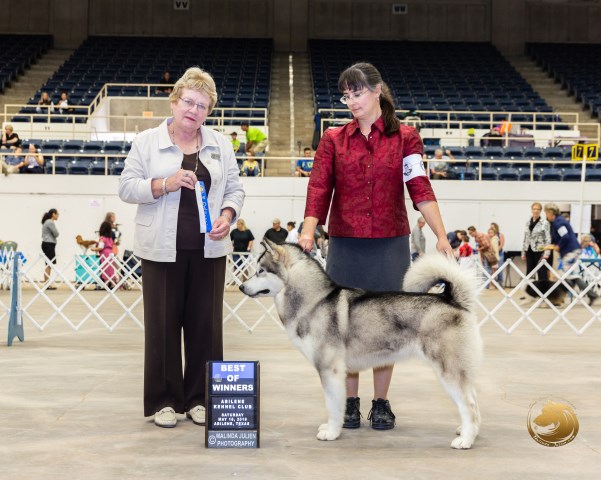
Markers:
(332, 381)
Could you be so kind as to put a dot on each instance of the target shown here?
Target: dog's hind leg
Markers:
(332, 381)
(464, 396)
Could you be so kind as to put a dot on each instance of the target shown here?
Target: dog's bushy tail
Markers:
(427, 271)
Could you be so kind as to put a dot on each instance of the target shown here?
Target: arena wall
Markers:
(508, 24)
(82, 202)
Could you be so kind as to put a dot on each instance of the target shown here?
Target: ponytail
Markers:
(391, 121)
(49, 214)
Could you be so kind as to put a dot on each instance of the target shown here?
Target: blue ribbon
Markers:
(202, 191)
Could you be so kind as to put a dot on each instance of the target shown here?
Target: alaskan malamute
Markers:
(344, 330)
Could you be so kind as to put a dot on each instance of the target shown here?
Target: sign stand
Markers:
(232, 409)
(584, 152)
(15, 322)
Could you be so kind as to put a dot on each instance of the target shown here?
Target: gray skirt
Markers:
(375, 264)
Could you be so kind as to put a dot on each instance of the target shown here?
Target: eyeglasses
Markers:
(353, 97)
(189, 103)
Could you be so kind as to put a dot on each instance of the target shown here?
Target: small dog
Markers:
(556, 296)
(85, 244)
(343, 330)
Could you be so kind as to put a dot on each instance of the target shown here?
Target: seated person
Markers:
(439, 168)
(305, 164)
(492, 138)
(9, 138)
(45, 104)
(167, 81)
(250, 167)
(63, 104)
(11, 163)
(33, 162)
(235, 142)
(589, 248)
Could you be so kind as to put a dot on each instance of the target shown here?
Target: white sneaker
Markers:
(197, 414)
(165, 418)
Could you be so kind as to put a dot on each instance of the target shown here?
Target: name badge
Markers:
(203, 207)
(215, 156)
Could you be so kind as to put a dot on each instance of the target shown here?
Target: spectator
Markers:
(505, 127)
(439, 168)
(183, 257)
(365, 204)
(111, 218)
(495, 248)
(465, 250)
(49, 237)
(305, 164)
(492, 138)
(563, 239)
(104, 247)
(589, 248)
(256, 140)
(501, 238)
(45, 104)
(537, 236)
(12, 163)
(235, 142)
(63, 104)
(9, 138)
(242, 239)
(292, 233)
(418, 239)
(33, 162)
(487, 254)
(250, 166)
(276, 234)
(165, 83)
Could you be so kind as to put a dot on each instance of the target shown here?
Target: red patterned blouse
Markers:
(363, 179)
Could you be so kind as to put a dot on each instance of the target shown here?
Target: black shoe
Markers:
(380, 415)
(592, 300)
(352, 415)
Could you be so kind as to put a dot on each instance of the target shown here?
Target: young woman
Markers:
(361, 169)
(49, 238)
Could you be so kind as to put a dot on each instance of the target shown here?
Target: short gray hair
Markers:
(553, 208)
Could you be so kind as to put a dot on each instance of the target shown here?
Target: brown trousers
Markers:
(186, 294)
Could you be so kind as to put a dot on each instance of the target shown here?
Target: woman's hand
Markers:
(443, 246)
(183, 178)
(306, 240)
(221, 228)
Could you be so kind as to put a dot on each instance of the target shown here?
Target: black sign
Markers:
(232, 405)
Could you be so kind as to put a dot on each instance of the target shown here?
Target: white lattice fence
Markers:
(108, 292)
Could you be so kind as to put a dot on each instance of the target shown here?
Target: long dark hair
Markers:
(105, 230)
(365, 75)
(49, 214)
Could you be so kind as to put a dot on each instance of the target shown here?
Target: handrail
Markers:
(571, 119)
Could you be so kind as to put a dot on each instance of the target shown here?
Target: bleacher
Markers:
(241, 68)
(575, 66)
(460, 77)
(17, 53)
(79, 157)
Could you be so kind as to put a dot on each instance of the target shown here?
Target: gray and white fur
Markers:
(342, 330)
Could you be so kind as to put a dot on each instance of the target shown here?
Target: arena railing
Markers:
(109, 292)
(542, 130)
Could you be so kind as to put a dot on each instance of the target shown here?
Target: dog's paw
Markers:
(324, 432)
(462, 443)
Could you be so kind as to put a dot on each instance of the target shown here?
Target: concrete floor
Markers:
(71, 407)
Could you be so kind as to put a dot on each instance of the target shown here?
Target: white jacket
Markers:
(153, 155)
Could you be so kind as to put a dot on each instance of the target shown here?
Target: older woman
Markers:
(537, 236)
(185, 180)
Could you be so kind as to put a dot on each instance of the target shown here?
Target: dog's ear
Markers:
(277, 251)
